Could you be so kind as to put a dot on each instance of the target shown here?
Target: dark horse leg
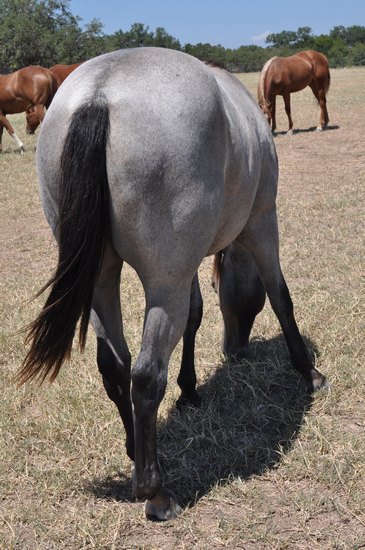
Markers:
(241, 297)
(320, 95)
(187, 376)
(167, 311)
(113, 356)
(260, 236)
(286, 98)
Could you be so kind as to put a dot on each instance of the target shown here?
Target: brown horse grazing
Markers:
(31, 86)
(284, 75)
(60, 72)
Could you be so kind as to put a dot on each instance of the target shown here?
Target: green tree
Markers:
(350, 35)
(357, 55)
(304, 38)
(36, 32)
(164, 40)
(138, 35)
(282, 39)
(323, 43)
(206, 52)
(93, 40)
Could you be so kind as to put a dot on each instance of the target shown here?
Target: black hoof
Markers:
(318, 381)
(186, 399)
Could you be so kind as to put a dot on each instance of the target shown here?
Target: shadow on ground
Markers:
(250, 416)
(306, 130)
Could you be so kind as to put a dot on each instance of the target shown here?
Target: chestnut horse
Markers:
(30, 87)
(284, 75)
(60, 72)
(149, 157)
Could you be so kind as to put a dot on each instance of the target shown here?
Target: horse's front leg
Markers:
(286, 98)
(320, 95)
(324, 119)
(4, 123)
(165, 320)
(187, 376)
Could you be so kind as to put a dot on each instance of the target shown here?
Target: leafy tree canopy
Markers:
(45, 32)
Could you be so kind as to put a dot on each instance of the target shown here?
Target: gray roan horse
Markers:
(151, 157)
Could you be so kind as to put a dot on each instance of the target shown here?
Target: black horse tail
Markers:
(82, 231)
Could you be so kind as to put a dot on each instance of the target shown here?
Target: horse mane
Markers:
(261, 86)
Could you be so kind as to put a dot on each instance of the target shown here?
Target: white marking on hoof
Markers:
(289, 133)
(18, 142)
(319, 129)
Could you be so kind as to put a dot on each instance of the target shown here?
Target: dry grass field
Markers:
(261, 465)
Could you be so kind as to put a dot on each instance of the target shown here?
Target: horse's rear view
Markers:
(285, 75)
(157, 160)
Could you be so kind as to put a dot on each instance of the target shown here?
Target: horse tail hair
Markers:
(82, 231)
(261, 86)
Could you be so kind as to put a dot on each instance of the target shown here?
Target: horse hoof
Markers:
(185, 399)
(319, 129)
(289, 133)
(319, 381)
(162, 507)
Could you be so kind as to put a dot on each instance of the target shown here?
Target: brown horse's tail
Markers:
(83, 223)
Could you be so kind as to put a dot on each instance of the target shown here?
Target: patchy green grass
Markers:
(261, 464)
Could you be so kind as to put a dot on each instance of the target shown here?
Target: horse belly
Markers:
(14, 105)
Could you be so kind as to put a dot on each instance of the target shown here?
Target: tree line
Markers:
(45, 32)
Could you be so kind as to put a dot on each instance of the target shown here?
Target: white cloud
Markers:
(260, 37)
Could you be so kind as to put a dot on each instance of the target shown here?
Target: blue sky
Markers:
(228, 22)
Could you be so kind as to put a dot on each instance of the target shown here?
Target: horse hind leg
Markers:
(286, 98)
(167, 309)
(187, 376)
(260, 236)
(241, 297)
(113, 356)
(320, 94)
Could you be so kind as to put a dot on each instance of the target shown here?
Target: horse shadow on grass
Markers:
(251, 415)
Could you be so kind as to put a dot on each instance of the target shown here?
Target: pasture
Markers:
(261, 464)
